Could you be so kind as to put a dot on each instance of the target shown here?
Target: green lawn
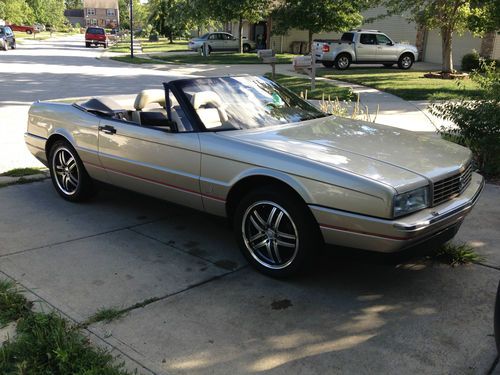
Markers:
(163, 45)
(222, 58)
(409, 85)
(120, 47)
(20, 36)
(300, 85)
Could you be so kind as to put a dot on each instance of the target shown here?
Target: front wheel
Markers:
(405, 61)
(276, 232)
(343, 61)
(68, 174)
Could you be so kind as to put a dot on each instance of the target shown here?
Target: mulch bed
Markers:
(446, 75)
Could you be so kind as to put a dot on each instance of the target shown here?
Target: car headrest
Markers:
(146, 97)
(202, 98)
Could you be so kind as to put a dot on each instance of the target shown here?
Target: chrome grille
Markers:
(452, 186)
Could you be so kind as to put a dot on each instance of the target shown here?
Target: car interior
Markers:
(149, 110)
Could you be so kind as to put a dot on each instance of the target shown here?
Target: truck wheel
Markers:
(276, 232)
(87, 45)
(343, 61)
(406, 61)
(328, 64)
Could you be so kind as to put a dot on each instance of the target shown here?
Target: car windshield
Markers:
(228, 103)
(204, 36)
(95, 31)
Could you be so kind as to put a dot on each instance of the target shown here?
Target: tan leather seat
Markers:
(209, 107)
(145, 98)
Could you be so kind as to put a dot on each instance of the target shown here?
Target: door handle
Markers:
(108, 129)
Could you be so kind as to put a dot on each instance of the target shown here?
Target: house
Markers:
(75, 17)
(103, 13)
(397, 27)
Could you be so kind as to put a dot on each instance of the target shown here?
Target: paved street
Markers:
(195, 305)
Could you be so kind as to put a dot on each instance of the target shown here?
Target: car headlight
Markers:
(411, 201)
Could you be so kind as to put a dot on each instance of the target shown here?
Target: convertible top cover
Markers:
(101, 106)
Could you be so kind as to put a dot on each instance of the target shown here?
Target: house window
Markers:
(94, 22)
(87, 22)
(90, 11)
(110, 12)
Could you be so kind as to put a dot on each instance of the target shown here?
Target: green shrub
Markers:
(477, 122)
(472, 61)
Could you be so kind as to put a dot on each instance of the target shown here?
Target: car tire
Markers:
(328, 64)
(105, 45)
(14, 45)
(406, 61)
(87, 45)
(68, 173)
(343, 61)
(246, 48)
(276, 232)
(29, 32)
(388, 65)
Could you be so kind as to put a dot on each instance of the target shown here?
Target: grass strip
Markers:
(299, 85)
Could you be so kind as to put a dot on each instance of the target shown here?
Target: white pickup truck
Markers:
(364, 47)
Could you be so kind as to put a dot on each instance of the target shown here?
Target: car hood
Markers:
(393, 156)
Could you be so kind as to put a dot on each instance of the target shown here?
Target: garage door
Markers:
(461, 45)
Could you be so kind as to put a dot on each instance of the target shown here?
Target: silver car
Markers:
(288, 177)
(220, 41)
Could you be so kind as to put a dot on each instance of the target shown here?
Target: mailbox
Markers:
(301, 62)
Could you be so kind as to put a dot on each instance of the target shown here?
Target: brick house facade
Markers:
(103, 13)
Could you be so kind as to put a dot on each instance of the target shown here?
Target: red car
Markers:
(26, 29)
(96, 36)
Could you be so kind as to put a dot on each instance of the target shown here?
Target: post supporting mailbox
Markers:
(268, 57)
(307, 65)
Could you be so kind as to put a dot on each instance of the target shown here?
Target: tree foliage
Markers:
(317, 16)
(449, 17)
(16, 12)
(48, 12)
(169, 18)
(140, 14)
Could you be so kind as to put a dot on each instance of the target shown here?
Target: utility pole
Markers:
(131, 29)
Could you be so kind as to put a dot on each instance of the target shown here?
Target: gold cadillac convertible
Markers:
(288, 176)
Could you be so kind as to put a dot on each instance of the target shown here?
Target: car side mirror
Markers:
(390, 43)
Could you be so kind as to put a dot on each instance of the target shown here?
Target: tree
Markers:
(317, 16)
(449, 17)
(48, 12)
(73, 4)
(169, 18)
(140, 13)
(249, 10)
(200, 15)
(16, 12)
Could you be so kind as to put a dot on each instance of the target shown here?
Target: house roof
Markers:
(73, 13)
(101, 4)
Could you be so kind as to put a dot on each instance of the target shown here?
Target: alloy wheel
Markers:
(66, 171)
(406, 61)
(270, 234)
(343, 62)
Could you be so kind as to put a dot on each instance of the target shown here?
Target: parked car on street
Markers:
(364, 47)
(96, 36)
(23, 28)
(219, 41)
(7, 38)
(288, 176)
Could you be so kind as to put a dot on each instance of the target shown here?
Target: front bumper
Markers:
(383, 235)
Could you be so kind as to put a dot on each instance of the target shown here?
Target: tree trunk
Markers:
(446, 49)
(171, 37)
(310, 42)
(240, 33)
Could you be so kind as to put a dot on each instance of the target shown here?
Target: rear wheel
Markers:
(406, 61)
(343, 61)
(68, 174)
(328, 64)
(276, 232)
(87, 45)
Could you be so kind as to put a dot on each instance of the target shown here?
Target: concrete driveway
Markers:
(198, 307)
